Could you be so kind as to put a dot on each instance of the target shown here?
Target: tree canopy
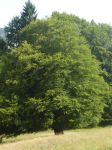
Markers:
(52, 80)
(54, 73)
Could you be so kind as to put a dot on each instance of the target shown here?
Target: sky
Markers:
(98, 10)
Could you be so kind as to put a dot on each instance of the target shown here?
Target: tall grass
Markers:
(88, 139)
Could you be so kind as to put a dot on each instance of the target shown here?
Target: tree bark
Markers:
(58, 131)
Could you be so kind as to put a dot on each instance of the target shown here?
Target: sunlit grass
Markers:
(85, 139)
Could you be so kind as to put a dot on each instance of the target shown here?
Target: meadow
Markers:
(83, 139)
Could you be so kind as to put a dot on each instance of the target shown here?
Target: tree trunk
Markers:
(58, 130)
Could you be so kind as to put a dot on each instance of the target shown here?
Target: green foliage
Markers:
(3, 46)
(8, 115)
(37, 115)
(51, 36)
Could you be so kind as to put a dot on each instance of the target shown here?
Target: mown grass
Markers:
(86, 139)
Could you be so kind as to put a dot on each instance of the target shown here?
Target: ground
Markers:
(84, 139)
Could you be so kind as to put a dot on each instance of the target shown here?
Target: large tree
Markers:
(54, 78)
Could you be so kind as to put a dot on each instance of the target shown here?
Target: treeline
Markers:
(55, 73)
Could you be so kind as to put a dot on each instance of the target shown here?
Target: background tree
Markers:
(12, 30)
(28, 14)
(99, 38)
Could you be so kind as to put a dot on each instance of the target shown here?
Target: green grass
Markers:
(84, 139)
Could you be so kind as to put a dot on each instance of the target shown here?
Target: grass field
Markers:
(85, 139)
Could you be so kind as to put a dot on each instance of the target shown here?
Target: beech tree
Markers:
(53, 77)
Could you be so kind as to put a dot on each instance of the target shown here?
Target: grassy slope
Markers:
(88, 139)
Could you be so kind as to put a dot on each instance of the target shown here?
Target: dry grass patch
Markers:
(90, 139)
